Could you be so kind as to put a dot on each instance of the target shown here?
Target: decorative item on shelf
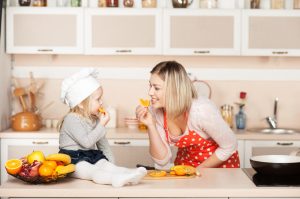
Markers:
(227, 114)
(24, 2)
(181, 3)
(149, 3)
(39, 3)
(112, 3)
(101, 3)
(254, 4)
(128, 3)
(277, 4)
(208, 4)
(296, 4)
(75, 3)
(240, 117)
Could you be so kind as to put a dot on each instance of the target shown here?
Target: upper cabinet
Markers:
(36, 30)
(123, 31)
(271, 33)
(201, 32)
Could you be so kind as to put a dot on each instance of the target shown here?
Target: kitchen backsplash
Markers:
(123, 94)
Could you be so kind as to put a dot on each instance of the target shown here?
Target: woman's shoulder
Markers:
(203, 104)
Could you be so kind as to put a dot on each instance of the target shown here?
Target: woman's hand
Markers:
(144, 116)
(104, 118)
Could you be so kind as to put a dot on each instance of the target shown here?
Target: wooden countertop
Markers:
(211, 183)
(125, 133)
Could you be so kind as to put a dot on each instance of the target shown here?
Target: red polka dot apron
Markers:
(193, 150)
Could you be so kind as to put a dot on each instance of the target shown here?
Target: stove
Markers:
(272, 181)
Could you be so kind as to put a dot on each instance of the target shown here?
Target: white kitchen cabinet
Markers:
(123, 31)
(201, 32)
(271, 32)
(37, 30)
(17, 148)
(254, 148)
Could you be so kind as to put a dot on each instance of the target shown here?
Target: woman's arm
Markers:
(159, 149)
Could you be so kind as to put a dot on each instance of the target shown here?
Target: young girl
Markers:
(82, 133)
(179, 117)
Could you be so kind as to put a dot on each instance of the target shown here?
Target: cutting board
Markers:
(168, 176)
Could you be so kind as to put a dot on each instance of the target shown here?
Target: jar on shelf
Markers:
(227, 114)
(149, 3)
(296, 4)
(101, 3)
(254, 4)
(24, 2)
(128, 3)
(112, 3)
(75, 3)
(277, 4)
(39, 3)
(208, 4)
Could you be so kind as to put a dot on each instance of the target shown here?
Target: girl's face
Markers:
(95, 101)
(157, 91)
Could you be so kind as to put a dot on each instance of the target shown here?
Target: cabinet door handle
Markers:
(123, 51)
(40, 142)
(280, 52)
(201, 51)
(45, 50)
(122, 143)
(285, 143)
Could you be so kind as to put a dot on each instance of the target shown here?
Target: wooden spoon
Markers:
(19, 92)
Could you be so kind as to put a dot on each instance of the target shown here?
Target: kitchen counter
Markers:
(126, 133)
(211, 183)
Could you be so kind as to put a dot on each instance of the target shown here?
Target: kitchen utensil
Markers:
(26, 121)
(181, 3)
(19, 92)
(276, 165)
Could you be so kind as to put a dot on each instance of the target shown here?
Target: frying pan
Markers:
(277, 165)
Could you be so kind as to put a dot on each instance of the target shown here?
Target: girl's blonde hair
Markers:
(180, 90)
(82, 109)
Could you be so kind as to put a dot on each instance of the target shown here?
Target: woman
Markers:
(178, 117)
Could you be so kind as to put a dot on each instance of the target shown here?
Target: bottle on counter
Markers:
(240, 119)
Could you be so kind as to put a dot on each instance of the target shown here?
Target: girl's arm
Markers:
(104, 146)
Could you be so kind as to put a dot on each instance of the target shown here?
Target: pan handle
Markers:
(295, 153)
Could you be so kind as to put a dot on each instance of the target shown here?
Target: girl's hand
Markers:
(104, 118)
(144, 116)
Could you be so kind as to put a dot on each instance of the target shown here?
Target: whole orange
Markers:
(50, 163)
(13, 166)
(45, 170)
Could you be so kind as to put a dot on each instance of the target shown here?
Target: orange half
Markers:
(145, 102)
(13, 166)
(102, 111)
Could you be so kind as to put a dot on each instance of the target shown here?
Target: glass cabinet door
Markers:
(44, 30)
(271, 32)
(202, 32)
(123, 31)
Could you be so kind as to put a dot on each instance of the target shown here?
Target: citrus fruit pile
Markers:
(36, 168)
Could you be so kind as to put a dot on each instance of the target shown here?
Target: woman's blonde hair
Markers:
(180, 90)
(82, 109)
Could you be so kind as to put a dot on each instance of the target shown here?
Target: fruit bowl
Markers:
(39, 179)
(35, 168)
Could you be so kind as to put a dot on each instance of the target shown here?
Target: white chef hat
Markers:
(79, 86)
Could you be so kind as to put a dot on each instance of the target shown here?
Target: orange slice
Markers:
(145, 102)
(182, 170)
(102, 111)
(13, 166)
(157, 173)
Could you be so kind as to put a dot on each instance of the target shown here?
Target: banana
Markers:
(63, 170)
(66, 159)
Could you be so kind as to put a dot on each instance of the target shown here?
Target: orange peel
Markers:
(102, 111)
(145, 102)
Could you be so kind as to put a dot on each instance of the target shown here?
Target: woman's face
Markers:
(157, 91)
(95, 101)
